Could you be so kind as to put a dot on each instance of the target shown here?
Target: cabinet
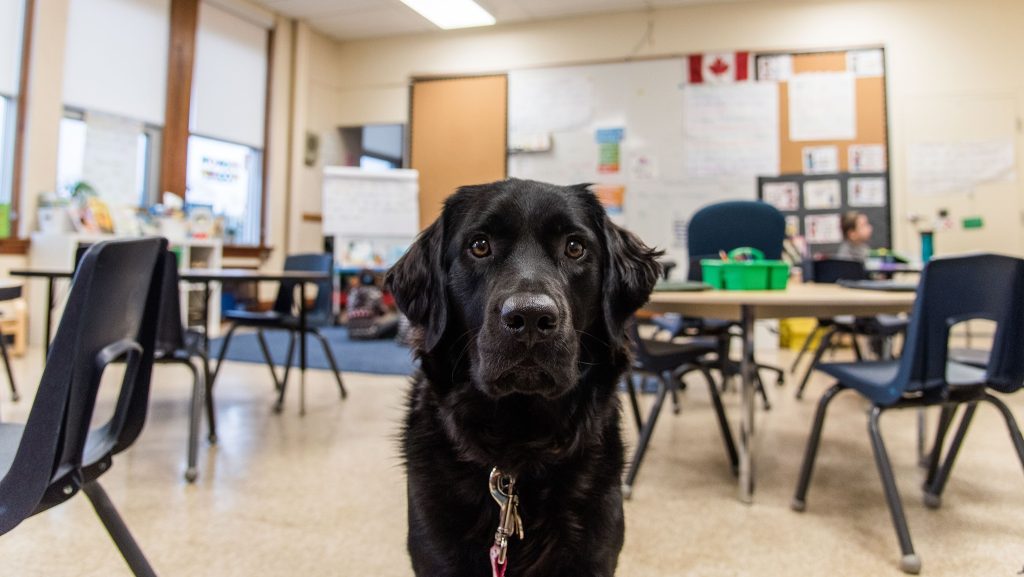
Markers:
(57, 251)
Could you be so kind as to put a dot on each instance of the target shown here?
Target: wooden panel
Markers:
(457, 136)
(20, 114)
(870, 98)
(180, 56)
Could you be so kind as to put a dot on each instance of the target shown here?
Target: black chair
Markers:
(110, 314)
(175, 345)
(952, 291)
(669, 361)
(880, 327)
(284, 317)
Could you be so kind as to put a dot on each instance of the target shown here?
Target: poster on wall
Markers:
(784, 196)
(865, 192)
(774, 67)
(820, 159)
(867, 158)
(608, 149)
(731, 130)
(869, 62)
(822, 228)
(822, 195)
(611, 196)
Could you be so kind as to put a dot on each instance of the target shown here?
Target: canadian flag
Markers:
(717, 67)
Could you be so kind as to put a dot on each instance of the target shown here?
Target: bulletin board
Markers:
(856, 159)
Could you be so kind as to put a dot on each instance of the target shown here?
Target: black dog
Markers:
(520, 290)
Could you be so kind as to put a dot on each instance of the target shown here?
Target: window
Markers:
(123, 147)
(6, 147)
(227, 178)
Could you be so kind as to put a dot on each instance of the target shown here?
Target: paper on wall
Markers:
(792, 225)
(774, 67)
(731, 130)
(866, 62)
(866, 192)
(822, 194)
(782, 195)
(820, 159)
(822, 228)
(822, 106)
(111, 158)
(866, 158)
(956, 167)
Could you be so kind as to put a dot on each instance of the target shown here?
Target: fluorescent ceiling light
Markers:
(450, 14)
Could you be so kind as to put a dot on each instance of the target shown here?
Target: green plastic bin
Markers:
(756, 273)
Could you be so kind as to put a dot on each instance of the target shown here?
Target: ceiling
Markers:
(351, 19)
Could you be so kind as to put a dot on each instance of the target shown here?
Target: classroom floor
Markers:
(325, 494)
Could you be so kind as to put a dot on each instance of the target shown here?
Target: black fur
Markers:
(552, 421)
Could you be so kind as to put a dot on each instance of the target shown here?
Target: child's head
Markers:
(856, 227)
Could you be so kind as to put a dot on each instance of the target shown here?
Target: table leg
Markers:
(207, 381)
(747, 418)
(49, 318)
(302, 348)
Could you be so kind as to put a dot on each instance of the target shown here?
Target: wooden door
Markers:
(458, 132)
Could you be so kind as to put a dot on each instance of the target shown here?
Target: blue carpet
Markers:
(382, 357)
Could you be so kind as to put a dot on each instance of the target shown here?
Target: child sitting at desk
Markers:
(856, 233)
(368, 318)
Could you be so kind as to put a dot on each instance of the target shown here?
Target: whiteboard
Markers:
(649, 100)
(370, 204)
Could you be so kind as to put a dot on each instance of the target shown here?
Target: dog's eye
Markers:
(480, 247)
(574, 249)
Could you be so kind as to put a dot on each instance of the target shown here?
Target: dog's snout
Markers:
(530, 317)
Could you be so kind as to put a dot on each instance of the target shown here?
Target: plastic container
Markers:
(754, 273)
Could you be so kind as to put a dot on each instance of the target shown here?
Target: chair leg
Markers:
(333, 363)
(823, 345)
(634, 403)
(933, 456)
(856, 347)
(799, 502)
(804, 347)
(761, 390)
(118, 530)
(1011, 424)
(279, 404)
(933, 491)
(664, 386)
(723, 423)
(220, 355)
(909, 561)
(266, 356)
(10, 374)
(195, 416)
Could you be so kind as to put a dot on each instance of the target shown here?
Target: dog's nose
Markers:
(530, 317)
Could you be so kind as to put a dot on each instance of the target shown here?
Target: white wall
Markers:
(936, 49)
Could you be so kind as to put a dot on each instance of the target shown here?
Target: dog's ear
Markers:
(631, 269)
(419, 284)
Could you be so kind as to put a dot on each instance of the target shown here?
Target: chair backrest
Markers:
(323, 307)
(958, 289)
(733, 224)
(833, 270)
(170, 334)
(110, 313)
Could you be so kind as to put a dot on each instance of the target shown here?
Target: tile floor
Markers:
(325, 494)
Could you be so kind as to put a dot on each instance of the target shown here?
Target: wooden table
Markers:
(51, 275)
(799, 300)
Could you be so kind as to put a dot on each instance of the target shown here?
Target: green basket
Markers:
(754, 274)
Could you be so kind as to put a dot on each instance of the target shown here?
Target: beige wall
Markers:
(937, 50)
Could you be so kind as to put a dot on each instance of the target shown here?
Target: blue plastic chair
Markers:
(724, 226)
(111, 314)
(952, 290)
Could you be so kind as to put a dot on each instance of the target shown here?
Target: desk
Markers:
(801, 300)
(51, 275)
(302, 278)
